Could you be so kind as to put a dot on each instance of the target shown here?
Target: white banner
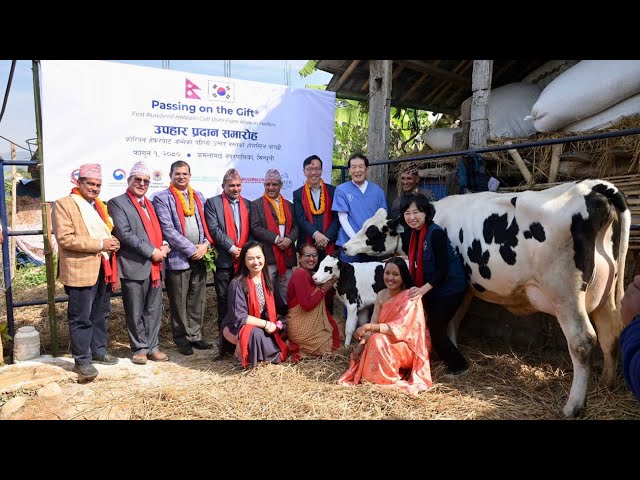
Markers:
(116, 114)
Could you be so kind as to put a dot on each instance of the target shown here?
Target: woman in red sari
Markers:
(394, 348)
(310, 327)
(250, 323)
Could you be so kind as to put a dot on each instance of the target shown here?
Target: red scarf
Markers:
(110, 266)
(152, 228)
(326, 216)
(200, 210)
(417, 274)
(273, 227)
(254, 310)
(230, 224)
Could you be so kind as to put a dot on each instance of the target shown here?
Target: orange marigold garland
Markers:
(102, 208)
(315, 211)
(190, 209)
(279, 209)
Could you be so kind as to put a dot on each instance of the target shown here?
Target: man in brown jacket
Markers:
(87, 269)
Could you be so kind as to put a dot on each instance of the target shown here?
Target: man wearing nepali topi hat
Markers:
(87, 268)
(227, 216)
(140, 263)
(409, 180)
(273, 223)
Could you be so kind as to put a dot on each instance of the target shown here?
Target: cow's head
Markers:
(377, 237)
(328, 269)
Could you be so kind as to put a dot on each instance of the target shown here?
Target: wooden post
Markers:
(461, 139)
(14, 196)
(481, 87)
(379, 119)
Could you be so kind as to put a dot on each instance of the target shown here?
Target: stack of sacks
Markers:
(440, 138)
(607, 117)
(591, 94)
(508, 106)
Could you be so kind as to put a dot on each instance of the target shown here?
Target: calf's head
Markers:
(378, 237)
(328, 269)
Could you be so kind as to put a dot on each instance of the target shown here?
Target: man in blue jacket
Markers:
(312, 208)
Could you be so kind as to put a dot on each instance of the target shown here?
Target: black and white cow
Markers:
(357, 287)
(561, 251)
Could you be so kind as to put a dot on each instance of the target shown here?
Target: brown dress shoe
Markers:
(158, 356)
(139, 359)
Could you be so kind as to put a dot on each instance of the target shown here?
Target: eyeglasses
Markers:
(310, 255)
(140, 181)
(312, 169)
(271, 184)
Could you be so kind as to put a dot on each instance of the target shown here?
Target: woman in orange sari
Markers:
(394, 348)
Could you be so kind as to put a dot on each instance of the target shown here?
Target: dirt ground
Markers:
(505, 382)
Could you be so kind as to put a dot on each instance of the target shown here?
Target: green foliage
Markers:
(210, 258)
(31, 276)
(352, 130)
(309, 68)
(406, 125)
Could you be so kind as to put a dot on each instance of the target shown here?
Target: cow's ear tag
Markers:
(400, 228)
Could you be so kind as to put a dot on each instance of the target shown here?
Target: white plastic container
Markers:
(26, 344)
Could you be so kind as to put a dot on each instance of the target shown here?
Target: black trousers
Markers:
(222, 277)
(439, 311)
(87, 313)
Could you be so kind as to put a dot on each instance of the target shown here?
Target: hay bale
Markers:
(610, 156)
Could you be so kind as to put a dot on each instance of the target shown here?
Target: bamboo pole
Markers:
(46, 218)
(556, 150)
(519, 163)
(14, 196)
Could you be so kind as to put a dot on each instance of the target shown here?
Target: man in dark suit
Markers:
(274, 225)
(140, 261)
(228, 219)
(312, 206)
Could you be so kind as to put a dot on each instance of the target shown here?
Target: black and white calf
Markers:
(560, 251)
(357, 287)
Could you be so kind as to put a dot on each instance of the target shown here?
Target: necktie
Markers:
(236, 216)
(144, 208)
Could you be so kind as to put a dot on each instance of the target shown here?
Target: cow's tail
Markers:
(624, 214)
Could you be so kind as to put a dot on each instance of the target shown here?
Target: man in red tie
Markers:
(140, 263)
(227, 216)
